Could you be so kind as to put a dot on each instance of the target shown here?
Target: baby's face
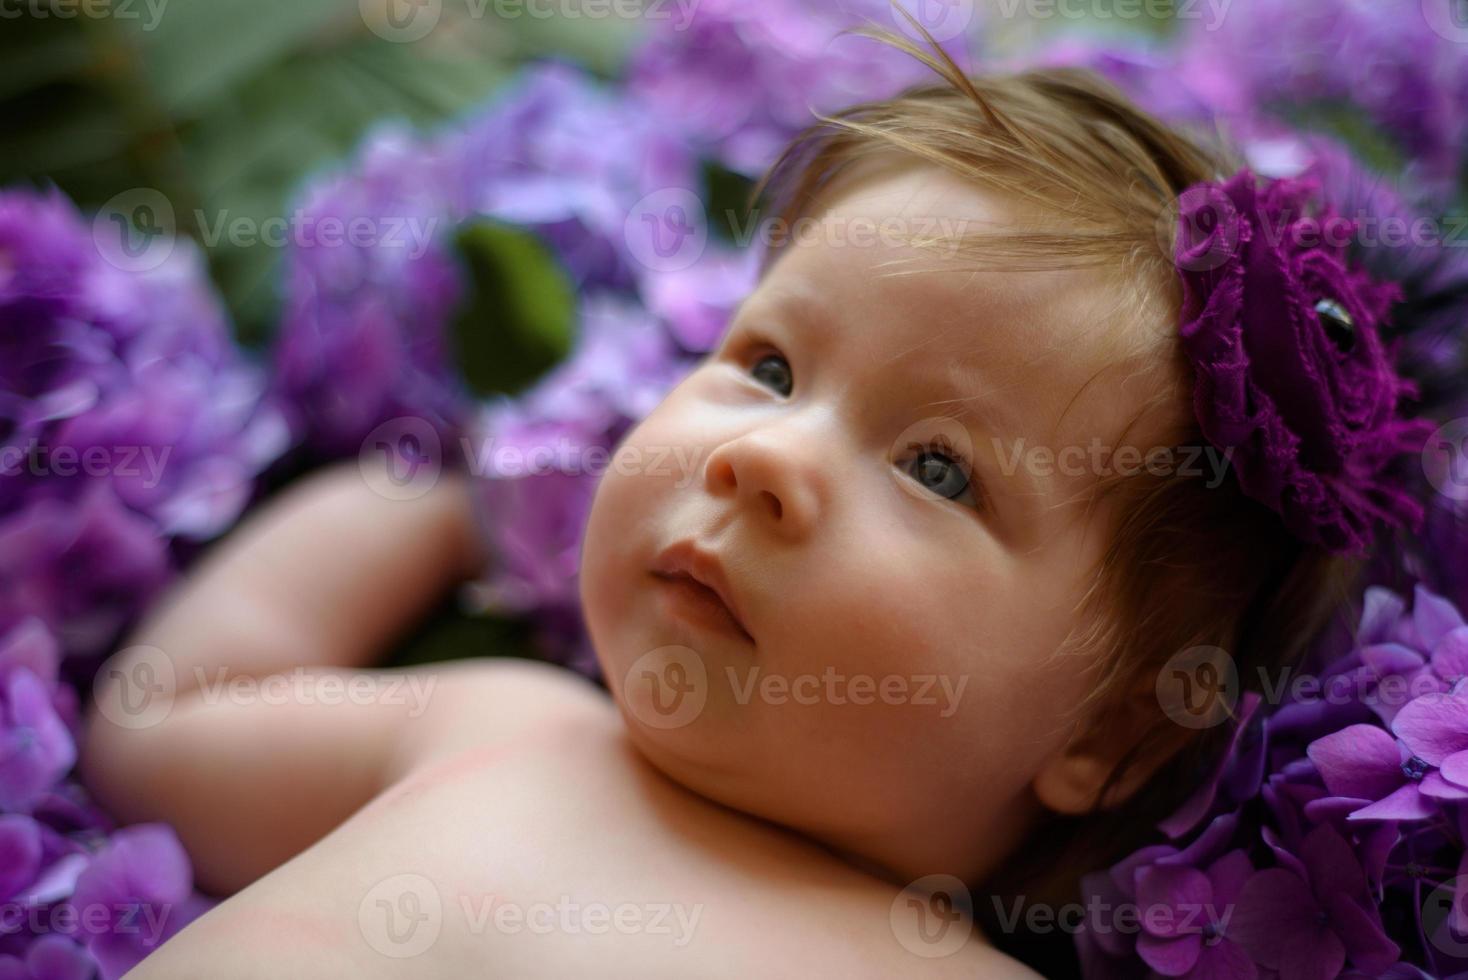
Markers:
(893, 696)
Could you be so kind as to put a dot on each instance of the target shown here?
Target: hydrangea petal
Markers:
(1434, 786)
(1171, 886)
(1433, 617)
(1359, 761)
(20, 853)
(1171, 956)
(1450, 655)
(1366, 943)
(1407, 803)
(1434, 726)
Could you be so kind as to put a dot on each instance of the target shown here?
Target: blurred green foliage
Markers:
(225, 106)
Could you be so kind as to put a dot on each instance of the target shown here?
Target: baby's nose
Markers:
(775, 477)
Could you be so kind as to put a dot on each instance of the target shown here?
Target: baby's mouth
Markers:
(696, 602)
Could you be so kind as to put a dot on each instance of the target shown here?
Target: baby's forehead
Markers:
(1062, 348)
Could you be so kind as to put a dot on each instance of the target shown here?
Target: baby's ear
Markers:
(1071, 780)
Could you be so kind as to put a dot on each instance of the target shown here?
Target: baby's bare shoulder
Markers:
(472, 704)
(536, 841)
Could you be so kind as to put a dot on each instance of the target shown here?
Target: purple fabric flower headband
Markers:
(1292, 376)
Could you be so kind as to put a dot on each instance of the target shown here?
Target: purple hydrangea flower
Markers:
(1185, 919)
(127, 417)
(1381, 778)
(568, 158)
(536, 460)
(85, 568)
(140, 888)
(1307, 921)
(51, 957)
(363, 337)
(1360, 815)
(1385, 61)
(742, 79)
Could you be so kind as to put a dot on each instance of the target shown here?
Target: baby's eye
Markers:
(774, 370)
(940, 469)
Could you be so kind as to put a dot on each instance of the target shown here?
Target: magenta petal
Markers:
(1455, 768)
(1434, 786)
(1224, 961)
(1362, 761)
(1376, 846)
(1227, 875)
(20, 853)
(56, 957)
(1330, 808)
(1433, 616)
(1380, 610)
(1360, 931)
(1332, 863)
(1391, 658)
(1171, 956)
(1406, 803)
(1318, 955)
(1434, 726)
(1274, 910)
(1168, 887)
(1450, 656)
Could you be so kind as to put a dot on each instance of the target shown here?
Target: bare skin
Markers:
(515, 797)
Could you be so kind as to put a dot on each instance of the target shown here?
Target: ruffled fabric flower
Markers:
(1292, 377)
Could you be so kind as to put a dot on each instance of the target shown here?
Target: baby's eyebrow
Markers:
(803, 306)
(958, 385)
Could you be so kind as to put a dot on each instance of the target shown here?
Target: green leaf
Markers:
(728, 202)
(519, 317)
(196, 51)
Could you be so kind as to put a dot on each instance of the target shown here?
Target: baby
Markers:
(889, 663)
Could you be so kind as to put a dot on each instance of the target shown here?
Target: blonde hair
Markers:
(1186, 564)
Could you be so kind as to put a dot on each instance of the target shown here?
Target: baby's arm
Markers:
(327, 574)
